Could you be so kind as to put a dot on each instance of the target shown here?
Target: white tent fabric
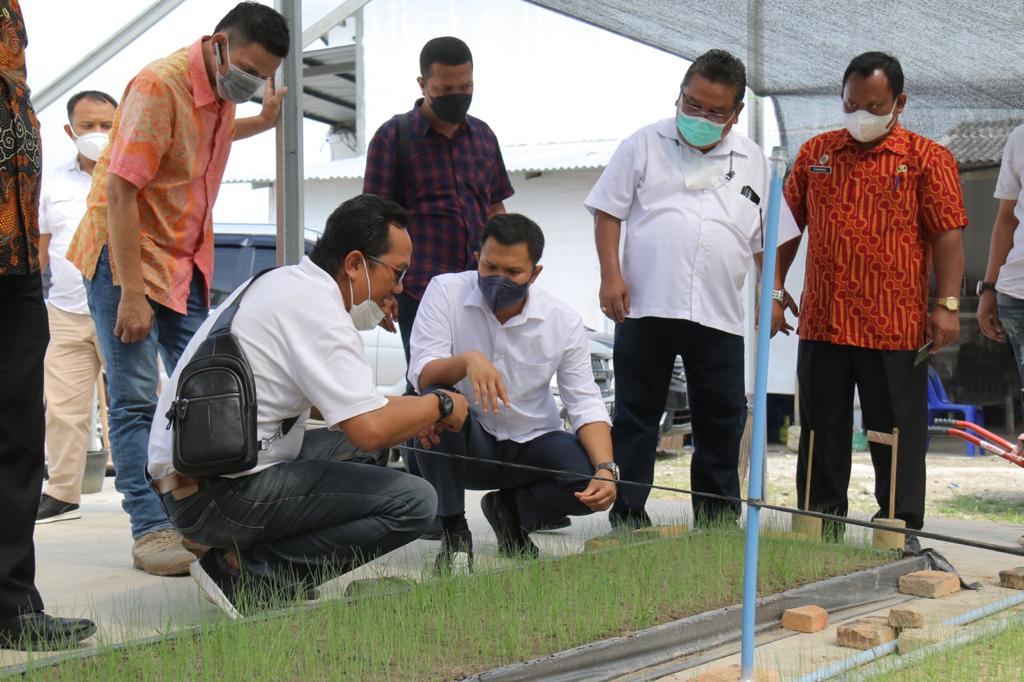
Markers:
(963, 61)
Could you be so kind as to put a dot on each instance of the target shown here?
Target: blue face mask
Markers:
(699, 131)
(501, 292)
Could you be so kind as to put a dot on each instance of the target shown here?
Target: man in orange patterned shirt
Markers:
(877, 201)
(145, 244)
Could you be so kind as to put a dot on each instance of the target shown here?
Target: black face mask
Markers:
(451, 108)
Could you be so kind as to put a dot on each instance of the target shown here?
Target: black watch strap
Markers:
(985, 286)
(445, 403)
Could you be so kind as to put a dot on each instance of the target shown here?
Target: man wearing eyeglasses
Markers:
(145, 245)
(693, 193)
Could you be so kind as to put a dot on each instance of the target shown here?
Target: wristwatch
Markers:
(446, 403)
(609, 466)
(950, 303)
(985, 286)
(779, 295)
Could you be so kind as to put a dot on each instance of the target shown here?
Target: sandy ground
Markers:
(950, 474)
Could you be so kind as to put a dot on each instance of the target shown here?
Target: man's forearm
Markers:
(44, 250)
(948, 261)
(443, 372)
(607, 231)
(1002, 239)
(398, 421)
(252, 125)
(125, 242)
(786, 256)
(596, 439)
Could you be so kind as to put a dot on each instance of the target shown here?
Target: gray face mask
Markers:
(236, 85)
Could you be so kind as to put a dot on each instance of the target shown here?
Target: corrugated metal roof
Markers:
(979, 145)
(518, 158)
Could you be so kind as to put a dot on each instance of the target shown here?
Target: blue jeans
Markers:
(132, 376)
(1011, 314)
(324, 514)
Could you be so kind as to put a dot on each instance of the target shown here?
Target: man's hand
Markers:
(943, 328)
(488, 384)
(779, 323)
(271, 103)
(988, 316)
(600, 494)
(614, 297)
(134, 318)
(430, 436)
(390, 315)
(460, 410)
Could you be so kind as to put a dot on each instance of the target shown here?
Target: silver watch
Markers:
(779, 295)
(609, 466)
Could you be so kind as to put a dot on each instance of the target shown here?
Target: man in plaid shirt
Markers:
(455, 179)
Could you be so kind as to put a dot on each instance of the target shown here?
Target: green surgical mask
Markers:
(698, 131)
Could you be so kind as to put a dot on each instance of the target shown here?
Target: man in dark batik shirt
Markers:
(23, 624)
(455, 179)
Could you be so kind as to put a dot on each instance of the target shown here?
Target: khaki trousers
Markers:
(71, 366)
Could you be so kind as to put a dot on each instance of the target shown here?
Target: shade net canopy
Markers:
(962, 61)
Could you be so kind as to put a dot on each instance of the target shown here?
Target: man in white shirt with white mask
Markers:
(316, 504)
(500, 339)
(73, 358)
(693, 193)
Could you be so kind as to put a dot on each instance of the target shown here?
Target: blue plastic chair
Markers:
(939, 404)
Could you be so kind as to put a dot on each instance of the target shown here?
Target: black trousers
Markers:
(540, 497)
(645, 350)
(893, 393)
(22, 347)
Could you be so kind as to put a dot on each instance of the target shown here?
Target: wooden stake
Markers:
(892, 473)
(807, 483)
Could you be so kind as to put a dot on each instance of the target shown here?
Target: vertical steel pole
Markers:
(288, 187)
(755, 488)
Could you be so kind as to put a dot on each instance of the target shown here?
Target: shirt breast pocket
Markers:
(527, 379)
(745, 219)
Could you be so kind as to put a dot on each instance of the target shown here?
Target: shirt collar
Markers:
(202, 93)
(531, 310)
(419, 124)
(727, 145)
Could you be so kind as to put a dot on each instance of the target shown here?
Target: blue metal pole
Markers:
(760, 426)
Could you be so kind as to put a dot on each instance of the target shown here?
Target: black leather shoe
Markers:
(456, 551)
(500, 510)
(911, 546)
(629, 518)
(40, 632)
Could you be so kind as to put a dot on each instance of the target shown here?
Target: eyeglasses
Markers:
(399, 272)
(713, 116)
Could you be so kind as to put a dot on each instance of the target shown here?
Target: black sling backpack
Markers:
(213, 416)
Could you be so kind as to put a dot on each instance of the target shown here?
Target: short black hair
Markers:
(510, 229)
(92, 96)
(251, 22)
(445, 50)
(867, 63)
(722, 67)
(359, 224)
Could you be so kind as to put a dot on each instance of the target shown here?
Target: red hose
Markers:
(983, 444)
(974, 427)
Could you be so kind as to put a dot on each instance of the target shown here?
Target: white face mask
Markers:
(91, 145)
(867, 127)
(365, 315)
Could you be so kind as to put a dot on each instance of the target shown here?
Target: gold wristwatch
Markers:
(950, 303)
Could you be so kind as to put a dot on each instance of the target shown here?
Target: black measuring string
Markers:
(760, 504)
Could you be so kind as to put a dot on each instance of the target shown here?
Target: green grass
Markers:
(446, 628)
(983, 508)
(996, 658)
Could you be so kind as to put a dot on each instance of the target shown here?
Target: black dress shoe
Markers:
(911, 546)
(629, 518)
(548, 526)
(456, 551)
(38, 631)
(500, 510)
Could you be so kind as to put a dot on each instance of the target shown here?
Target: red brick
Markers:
(805, 619)
(930, 584)
(901, 617)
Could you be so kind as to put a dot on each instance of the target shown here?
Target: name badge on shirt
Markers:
(820, 169)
